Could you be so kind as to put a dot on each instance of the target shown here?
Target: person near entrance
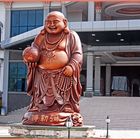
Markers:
(53, 81)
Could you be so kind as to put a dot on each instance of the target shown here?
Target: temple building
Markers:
(110, 36)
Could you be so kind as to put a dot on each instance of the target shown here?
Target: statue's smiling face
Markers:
(55, 24)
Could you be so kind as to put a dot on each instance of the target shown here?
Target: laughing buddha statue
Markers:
(53, 80)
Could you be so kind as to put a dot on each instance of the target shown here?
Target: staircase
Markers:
(124, 112)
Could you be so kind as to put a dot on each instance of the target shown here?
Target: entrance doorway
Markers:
(135, 91)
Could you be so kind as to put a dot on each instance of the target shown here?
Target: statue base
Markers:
(51, 119)
(33, 131)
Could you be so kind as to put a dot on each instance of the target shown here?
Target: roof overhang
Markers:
(20, 38)
(91, 33)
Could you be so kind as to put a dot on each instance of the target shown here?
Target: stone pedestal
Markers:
(20, 130)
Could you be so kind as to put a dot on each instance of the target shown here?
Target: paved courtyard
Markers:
(124, 112)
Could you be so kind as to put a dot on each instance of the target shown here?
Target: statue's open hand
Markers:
(68, 71)
(31, 65)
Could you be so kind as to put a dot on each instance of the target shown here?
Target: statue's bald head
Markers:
(57, 14)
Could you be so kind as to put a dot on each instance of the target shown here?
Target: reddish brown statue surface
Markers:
(53, 80)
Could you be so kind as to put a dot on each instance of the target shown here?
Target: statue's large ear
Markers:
(43, 31)
(65, 21)
(66, 30)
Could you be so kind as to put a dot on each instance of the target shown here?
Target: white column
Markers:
(46, 9)
(5, 81)
(97, 76)
(7, 27)
(91, 8)
(108, 79)
(89, 77)
(1, 69)
(64, 10)
(1, 27)
(1, 74)
(98, 11)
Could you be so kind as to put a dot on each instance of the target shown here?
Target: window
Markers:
(17, 76)
(25, 20)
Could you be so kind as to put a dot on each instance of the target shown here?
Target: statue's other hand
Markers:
(31, 65)
(68, 71)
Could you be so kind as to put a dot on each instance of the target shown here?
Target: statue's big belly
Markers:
(53, 60)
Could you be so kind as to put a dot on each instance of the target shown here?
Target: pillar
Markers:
(8, 6)
(97, 76)
(108, 80)
(1, 26)
(46, 9)
(90, 11)
(64, 10)
(1, 74)
(98, 11)
(89, 77)
(5, 81)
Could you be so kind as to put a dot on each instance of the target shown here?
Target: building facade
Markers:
(109, 33)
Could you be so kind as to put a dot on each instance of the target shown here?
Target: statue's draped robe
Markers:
(51, 90)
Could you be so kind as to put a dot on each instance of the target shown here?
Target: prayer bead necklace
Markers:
(55, 42)
(55, 46)
(49, 53)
